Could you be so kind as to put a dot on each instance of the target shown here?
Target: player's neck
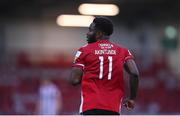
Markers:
(104, 37)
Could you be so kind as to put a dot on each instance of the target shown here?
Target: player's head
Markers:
(45, 81)
(101, 26)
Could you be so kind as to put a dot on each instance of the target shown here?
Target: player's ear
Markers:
(99, 34)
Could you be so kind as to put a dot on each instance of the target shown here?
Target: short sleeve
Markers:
(79, 59)
(128, 55)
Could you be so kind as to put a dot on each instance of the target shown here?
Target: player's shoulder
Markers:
(88, 46)
(83, 47)
(119, 46)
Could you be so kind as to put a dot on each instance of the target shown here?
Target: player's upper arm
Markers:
(77, 67)
(131, 68)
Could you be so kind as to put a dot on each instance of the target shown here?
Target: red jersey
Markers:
(102, 82)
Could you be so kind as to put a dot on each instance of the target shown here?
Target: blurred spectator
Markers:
(50, 100)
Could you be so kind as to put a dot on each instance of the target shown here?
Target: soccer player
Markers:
(99, 67)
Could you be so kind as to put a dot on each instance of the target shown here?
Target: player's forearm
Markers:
(75, 77)
(74, 80)
(134, 81)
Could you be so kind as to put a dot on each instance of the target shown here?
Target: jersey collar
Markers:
(103, 40)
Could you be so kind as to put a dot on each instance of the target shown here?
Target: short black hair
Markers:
(104, 24)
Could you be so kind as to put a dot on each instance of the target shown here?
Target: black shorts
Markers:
(99, 112)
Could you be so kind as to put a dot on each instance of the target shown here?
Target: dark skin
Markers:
(94, 35)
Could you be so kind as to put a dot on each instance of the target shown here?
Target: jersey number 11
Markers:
(101, 58)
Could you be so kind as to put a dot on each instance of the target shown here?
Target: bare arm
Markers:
(76, 76)
(131, 68)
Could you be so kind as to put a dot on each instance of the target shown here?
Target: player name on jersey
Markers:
(106, 46)
(111, 52)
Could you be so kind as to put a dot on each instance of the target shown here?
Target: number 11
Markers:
(101, 58)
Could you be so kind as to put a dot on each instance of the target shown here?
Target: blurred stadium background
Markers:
(33, 46)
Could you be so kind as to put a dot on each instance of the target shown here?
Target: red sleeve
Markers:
(79, 59)
(128, 55)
